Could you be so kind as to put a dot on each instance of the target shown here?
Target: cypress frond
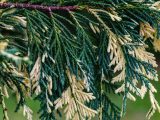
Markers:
(75, 54)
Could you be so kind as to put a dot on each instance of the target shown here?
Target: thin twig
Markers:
(37, 7)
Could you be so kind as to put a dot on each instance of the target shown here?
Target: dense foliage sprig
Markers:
(76, 59)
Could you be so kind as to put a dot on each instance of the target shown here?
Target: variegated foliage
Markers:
(72, 61)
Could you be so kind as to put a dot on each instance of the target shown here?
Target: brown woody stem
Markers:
(37, 7)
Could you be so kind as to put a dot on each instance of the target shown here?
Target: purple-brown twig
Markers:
(37, 7)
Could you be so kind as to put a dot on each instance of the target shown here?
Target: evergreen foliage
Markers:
(77, 57)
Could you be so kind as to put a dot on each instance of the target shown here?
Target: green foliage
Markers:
(80, 57)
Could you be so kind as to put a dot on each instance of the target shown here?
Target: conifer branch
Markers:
(79, 56)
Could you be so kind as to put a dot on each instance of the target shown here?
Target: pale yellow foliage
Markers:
(143, 55)
(74, 99)
(117, 55)
(27, 112)
(3, 1)
(3, 46)
(147, 31)
(155, 106)
(156, 5)
(35, 75)
(156, 45)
